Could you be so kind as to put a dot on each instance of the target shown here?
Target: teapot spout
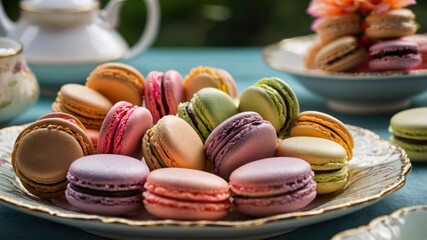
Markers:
(110, 14)
(6, 25)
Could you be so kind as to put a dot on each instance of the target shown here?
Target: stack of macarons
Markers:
(363, 37)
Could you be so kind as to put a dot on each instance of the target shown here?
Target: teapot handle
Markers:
(150, 30)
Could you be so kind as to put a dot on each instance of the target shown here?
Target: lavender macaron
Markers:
(272, 186)
(106, 184)
(394, 55)
(242, 138)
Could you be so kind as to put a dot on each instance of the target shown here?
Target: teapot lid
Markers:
(59, 6)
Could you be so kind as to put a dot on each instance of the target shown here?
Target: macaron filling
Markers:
(277, 188)
(338, 57)
(394, 52)
(277, 199)
(104, 193)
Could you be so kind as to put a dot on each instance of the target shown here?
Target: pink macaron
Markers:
(123, 129)
(394, 55)
(421, 40)
(106, 184)
(272, 186)
(163, 93)
(242, 138)
(186, 194)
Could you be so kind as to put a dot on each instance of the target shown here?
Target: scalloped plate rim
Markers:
(329, 212)
(379, 220)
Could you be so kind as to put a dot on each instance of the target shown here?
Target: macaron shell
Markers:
(391, 24)
(241, 139)
(177, 144)
(118, 82)
(416, 152)
(333, 27)
(179, 183)
(173, 90)
(268, 206)
(130, 141)
(58, 143)
(171, 209)
(83, 101)
(104, 205)
(318, 124)
(410, 123)
(153, 94)
(256, 99)
(228, 81)
(322, 154)
(331, 181)
(199, 78)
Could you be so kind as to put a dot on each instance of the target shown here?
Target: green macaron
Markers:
(274, 100)
(327, 159)
(206, 110)
(409, 131)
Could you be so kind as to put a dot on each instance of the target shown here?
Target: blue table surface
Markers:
(247, 66)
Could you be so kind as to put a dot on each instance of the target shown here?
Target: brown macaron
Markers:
(45, 149)
(118, 82)
(392, 24)
(331, 28)
(88, 105)
(340, 55)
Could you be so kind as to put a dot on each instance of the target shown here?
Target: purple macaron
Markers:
(272, 186)
(394, 55)
(106, 184)
(242, 138)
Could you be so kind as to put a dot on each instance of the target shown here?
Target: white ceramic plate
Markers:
(377, 169)
(405, 223)
(373, 92)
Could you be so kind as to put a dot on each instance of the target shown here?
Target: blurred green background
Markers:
(196, 23)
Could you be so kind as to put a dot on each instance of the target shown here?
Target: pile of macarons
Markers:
(181, 148)
(363, 36)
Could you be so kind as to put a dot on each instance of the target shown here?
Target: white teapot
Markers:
(74, 35)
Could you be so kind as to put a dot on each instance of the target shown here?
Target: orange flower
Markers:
(325, 8)
(380, 6)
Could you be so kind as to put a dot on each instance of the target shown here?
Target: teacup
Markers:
(19, 88)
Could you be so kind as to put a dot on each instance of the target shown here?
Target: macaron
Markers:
(391, 24)
(340, 55)
(202, 76)
(409, 131)
(163, 93)
(172, 142)
(118, 82)
(394, 55)
(421, 40)
(88, 105)
(106, 184)
(206, 110)
(327, 159)
(319, 124)
(123, 129)
(333, 27)
(274, 100)
(272, 186)
(186, 194)
(242, 138)
(311, 53)
(45, 149)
